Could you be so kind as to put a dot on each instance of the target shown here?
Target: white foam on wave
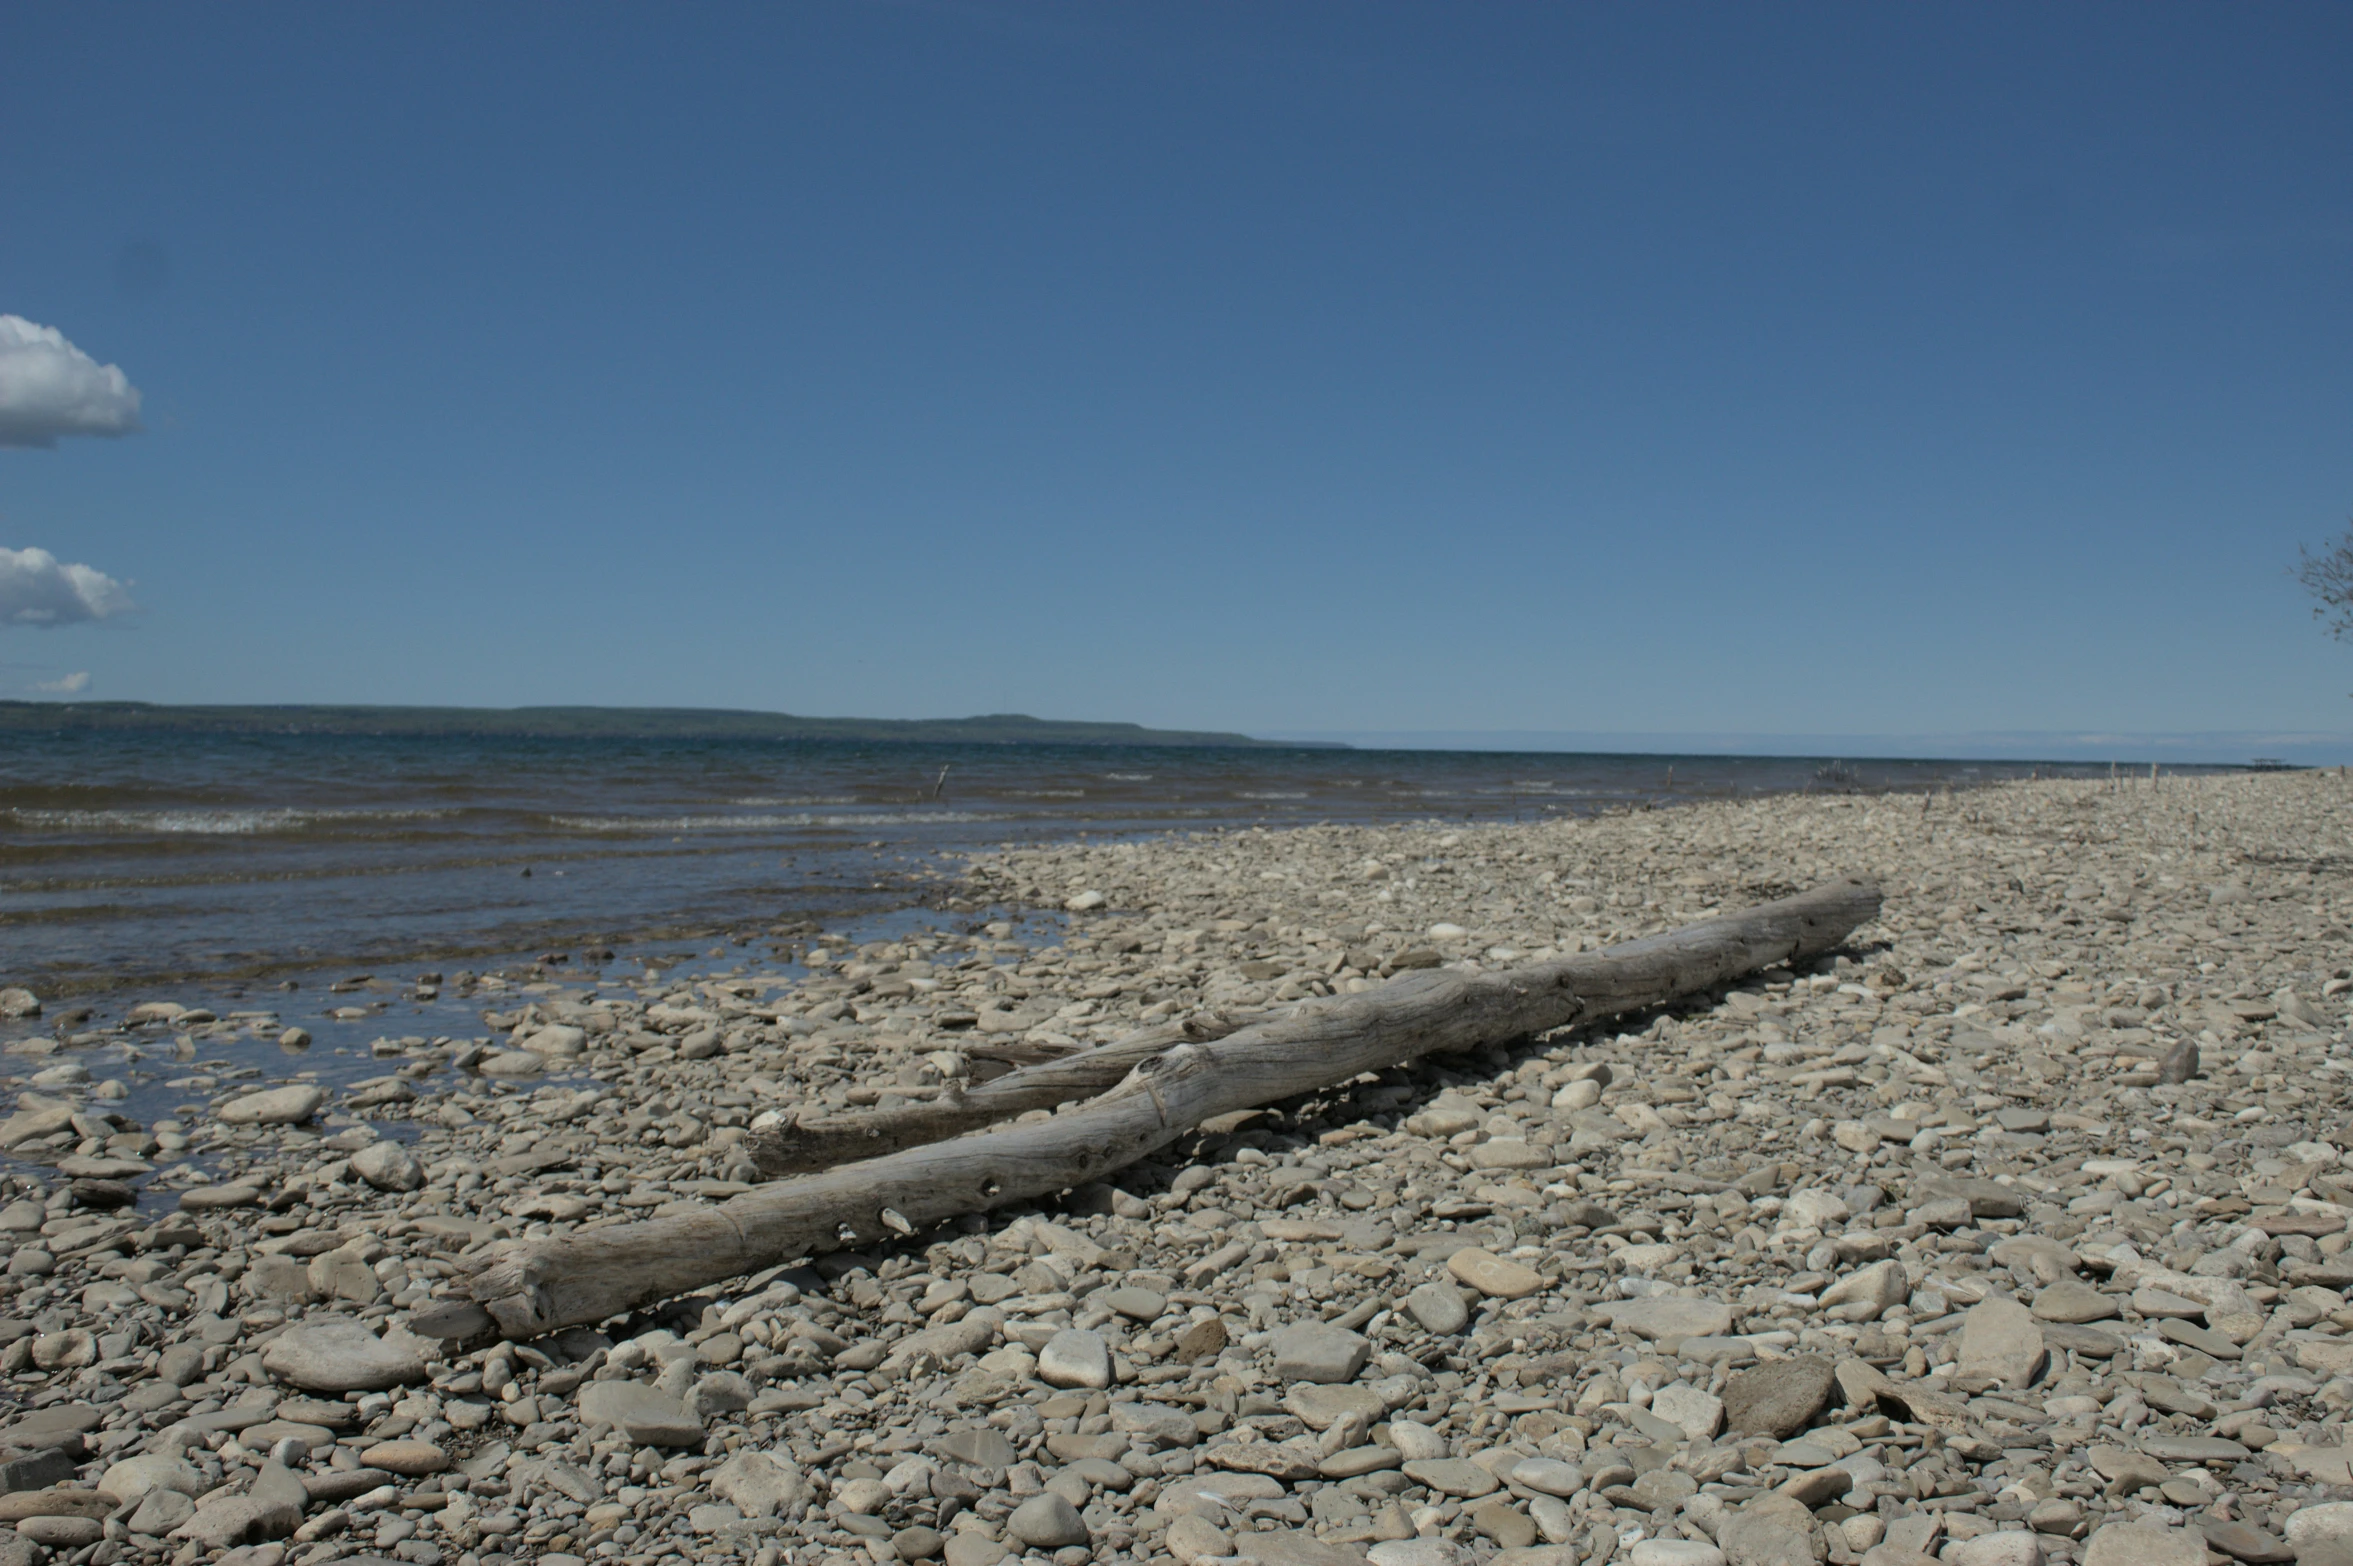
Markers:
(203, 823)
(763, 823)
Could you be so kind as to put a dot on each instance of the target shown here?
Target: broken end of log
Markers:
(533, 1287)
(770, 1150)
(1828, 915)
(503, 1288)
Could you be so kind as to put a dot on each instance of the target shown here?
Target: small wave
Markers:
(762, 823)
(1129, 777)
(792, 801)
(1268, 794)
(1047, 793)
(207, 823)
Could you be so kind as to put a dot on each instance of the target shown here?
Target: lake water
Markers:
(146, 860)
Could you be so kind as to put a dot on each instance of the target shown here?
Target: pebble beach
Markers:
(2012, 1233)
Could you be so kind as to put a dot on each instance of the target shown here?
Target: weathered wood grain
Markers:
(804, 1146)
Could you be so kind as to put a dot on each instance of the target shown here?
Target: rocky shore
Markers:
(2015, 1233)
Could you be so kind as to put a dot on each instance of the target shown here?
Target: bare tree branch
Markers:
(2328, 577)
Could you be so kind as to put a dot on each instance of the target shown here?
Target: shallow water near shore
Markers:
(131, 860)
(168, 1069)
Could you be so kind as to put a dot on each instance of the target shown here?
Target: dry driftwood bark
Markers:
(533, 1286)
(802, 1147)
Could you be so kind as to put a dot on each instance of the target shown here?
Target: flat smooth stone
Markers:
(2193, 1449)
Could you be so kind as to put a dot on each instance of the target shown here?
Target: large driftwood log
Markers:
(804, 1146)
(530, 1287)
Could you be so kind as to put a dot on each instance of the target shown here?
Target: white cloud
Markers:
(48, 388)
(36, 588)
(72, 685)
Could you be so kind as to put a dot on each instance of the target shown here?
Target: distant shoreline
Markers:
(22, 717)
(2212, 748)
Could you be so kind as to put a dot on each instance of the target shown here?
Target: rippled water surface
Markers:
(128, 859)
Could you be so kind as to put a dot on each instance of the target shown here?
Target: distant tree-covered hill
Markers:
(591, 722)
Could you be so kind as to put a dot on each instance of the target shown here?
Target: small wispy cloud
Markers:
(71, 685)
(49, 388)
(38, 589)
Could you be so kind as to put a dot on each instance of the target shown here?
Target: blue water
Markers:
(137, 860)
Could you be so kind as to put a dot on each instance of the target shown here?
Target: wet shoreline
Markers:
(153, 863)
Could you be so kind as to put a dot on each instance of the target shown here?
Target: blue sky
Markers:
(1744, 369)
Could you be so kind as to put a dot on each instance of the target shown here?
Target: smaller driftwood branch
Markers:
(805, 1146)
